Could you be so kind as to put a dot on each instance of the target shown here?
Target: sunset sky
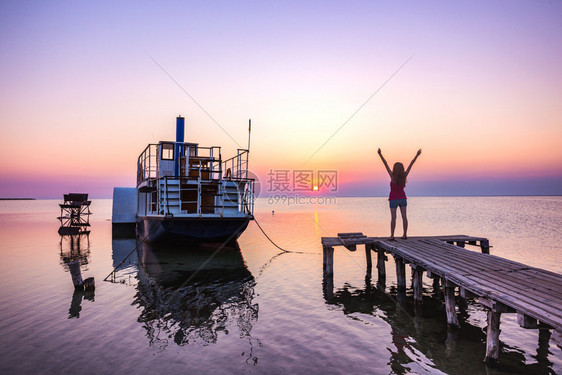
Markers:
(85, 86)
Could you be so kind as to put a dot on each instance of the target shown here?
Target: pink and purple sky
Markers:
(482, 95)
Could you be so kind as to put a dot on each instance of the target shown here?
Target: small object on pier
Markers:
(350, 240)
(76, 274)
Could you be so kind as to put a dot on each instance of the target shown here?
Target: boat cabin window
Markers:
(167, 151)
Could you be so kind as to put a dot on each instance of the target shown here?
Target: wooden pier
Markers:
(501, 285)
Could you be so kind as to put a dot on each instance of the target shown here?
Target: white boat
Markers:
(186, 191)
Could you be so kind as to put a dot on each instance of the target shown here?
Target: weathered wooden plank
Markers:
(532, 305)
(508, 286)
(351, 234)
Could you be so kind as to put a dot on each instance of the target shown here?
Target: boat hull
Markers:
(196, 229)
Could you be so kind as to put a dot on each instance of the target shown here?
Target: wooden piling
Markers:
(417, 273)
(368, 248)
(76, 274)
(381, 266)
(400, 273)
(485, 246)
(89, 284)
(493, 337)
(328, 259)
(450, 309)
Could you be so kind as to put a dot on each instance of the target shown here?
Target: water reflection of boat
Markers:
(192, 296)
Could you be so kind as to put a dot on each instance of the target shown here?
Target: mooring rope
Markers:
(127, 257)
(277, 246)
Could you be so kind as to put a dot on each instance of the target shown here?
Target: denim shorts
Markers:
(398, 203)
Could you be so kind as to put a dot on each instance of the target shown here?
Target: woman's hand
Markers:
(380, 152)
(418, 154)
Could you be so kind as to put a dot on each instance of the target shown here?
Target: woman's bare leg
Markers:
(404, 221)
(392, 222)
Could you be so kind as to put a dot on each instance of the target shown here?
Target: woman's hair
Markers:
(398, 174)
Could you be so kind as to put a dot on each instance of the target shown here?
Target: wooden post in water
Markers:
(89, 284)
(417, 273)
(381, 266)
(328, 259)
(400, 273)
(493, 338)
(493, 333)
(452, 319)
(485, 246)
(76, 275)
(368, 248)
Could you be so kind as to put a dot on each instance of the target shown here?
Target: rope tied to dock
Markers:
(277, 246)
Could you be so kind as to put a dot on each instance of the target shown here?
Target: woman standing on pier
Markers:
(397, 197)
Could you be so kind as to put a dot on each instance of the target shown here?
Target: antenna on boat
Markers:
(249, 132)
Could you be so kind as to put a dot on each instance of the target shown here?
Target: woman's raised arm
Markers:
(385, 163)
(413, 161)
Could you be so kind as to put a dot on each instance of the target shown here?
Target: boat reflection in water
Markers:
(194, 292)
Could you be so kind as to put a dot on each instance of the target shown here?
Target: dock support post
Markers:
(328, 286)
(436, 285)
(76, 274)
(485, 246)
(368, 248)
(417, 273)
(400, 273)
(452, 319)
(381, 266)
(493, 337)
(328, 259)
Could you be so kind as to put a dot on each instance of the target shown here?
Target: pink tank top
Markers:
(396, 192)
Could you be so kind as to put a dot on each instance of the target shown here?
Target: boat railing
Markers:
(193, 160)
(184, 195)
(237, 166)
(147, 166)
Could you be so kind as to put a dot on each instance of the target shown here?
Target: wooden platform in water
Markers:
(500, 284)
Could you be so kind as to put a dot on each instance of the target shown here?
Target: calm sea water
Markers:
(247, 308)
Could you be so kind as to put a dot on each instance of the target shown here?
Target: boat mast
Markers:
(249, 133)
